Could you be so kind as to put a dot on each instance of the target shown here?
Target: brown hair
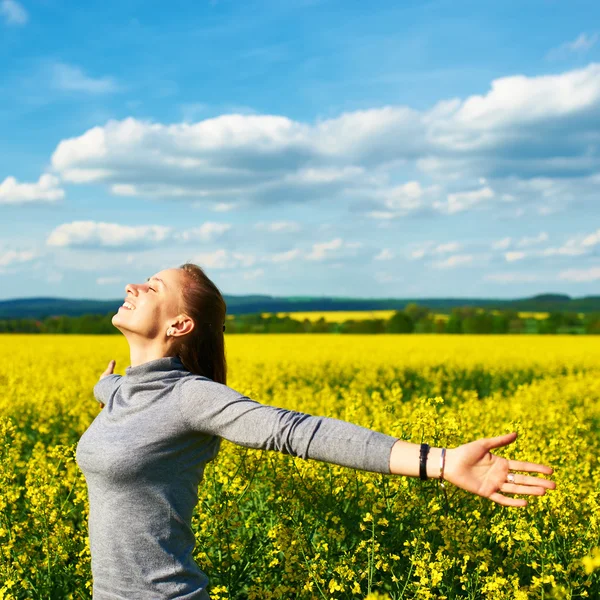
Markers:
(203, 351)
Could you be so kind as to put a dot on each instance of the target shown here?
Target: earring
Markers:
(169, 332)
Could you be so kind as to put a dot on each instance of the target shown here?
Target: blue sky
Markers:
(305, 147)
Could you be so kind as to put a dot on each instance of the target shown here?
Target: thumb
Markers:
(500, 440)
(109, 370)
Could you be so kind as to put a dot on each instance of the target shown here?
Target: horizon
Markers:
(317, 145)
(316, 297)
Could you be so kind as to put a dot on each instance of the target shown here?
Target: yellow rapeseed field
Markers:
(271, 526)
(339, 316)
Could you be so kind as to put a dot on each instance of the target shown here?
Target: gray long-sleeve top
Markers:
(144, 455)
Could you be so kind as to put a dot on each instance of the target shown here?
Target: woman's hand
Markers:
(109, 371)
(474, 468)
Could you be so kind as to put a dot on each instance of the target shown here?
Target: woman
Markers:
(144, 455)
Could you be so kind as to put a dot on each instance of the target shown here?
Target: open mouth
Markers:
(127, 306)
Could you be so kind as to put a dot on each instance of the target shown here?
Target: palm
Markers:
(475, 469)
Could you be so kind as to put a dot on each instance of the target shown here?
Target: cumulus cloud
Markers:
(278, 226)
(9, 257)
(93, 234)
(71, 78)
(224, 259)
(525, 141)
(578, 245)
(508, 278)
(45, 190)
(461, 201)
(580, 45)
(582, 244)
(431, 248)
(284, 257)
(401, 200)
(455, 260)
(13, 12)
(525, 242)
(320, 249)
(207, 232)
(385, 254)
(593, 239)
(580, 275)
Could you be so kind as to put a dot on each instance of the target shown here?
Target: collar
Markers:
(159, 368)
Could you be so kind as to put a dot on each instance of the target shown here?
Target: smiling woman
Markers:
(144, 455)
(178, 312)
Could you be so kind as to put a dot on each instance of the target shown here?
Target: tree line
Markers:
(413, 319)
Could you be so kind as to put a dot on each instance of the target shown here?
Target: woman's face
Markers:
(153, 307)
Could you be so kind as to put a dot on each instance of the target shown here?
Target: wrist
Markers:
(433, 463)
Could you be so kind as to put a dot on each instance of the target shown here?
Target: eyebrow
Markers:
(157, 279)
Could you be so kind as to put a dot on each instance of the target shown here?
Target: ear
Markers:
(183, 325)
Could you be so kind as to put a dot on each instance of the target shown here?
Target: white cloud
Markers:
(455, 260)
(207, 232)
(9, 257)
(512, 277)
(526, 140)
(320, 249)
(462, 201)
(525, 242)
(430, 248)
(592, 239)
(70, 78)
(13, 12)
(224, 259)
(513, 256)
(278, 226)
(91, 233)
(580, 275)
(580, 45)
(223, 206)
(502, 244)
(45, 190)
(385, 254)
(281, 257)
(572, 247)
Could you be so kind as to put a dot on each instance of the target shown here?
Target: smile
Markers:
(128, 306)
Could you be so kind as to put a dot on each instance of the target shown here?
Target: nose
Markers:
(131, 288)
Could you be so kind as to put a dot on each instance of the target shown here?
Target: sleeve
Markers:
(105, 387)
(214, 408)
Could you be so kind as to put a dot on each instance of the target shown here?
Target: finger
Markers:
(110, 368)
(500, 440)
(520, 465)
(505, 501)
(533, 490)
(536, 481)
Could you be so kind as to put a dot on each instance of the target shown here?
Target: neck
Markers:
(138, 355)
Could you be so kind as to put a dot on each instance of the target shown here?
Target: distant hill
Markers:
(40, 308)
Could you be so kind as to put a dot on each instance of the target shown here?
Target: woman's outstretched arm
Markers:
(475, 469)
(217, 409)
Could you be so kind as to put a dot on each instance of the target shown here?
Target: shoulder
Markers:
(194, 387)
